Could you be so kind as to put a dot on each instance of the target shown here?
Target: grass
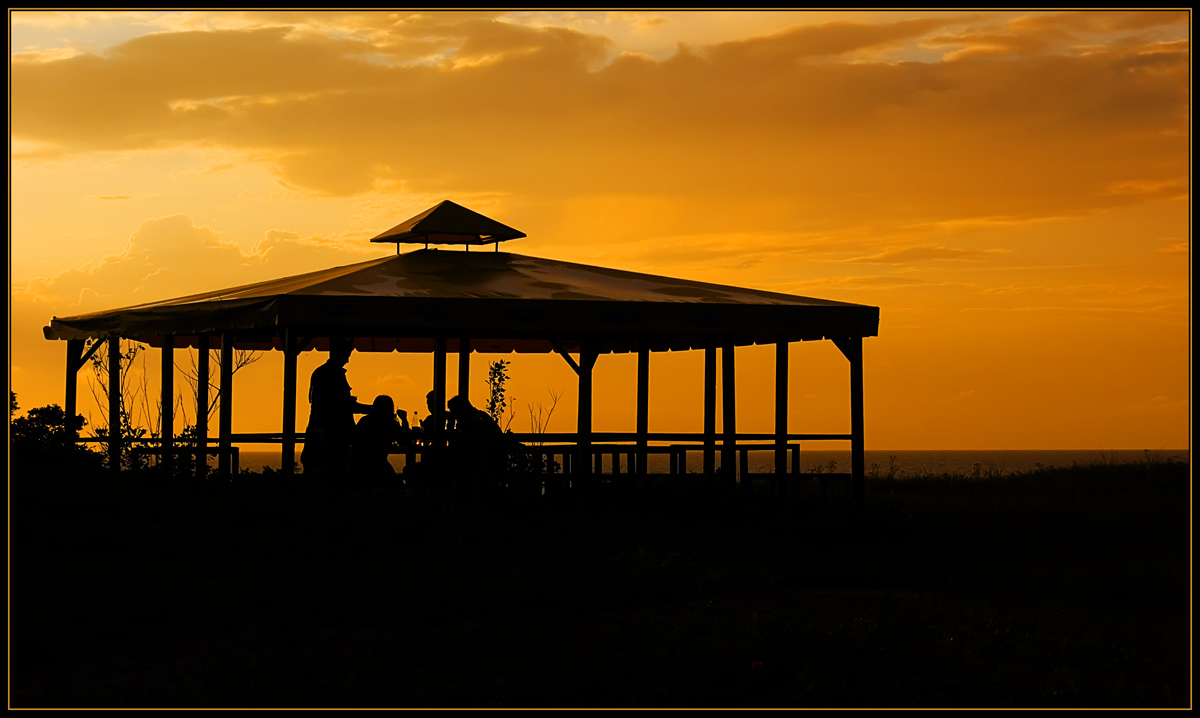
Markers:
(1061, 587)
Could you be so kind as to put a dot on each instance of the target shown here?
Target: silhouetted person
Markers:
(432, 435)
(479, 441)
(330, 429)
(375, 436)
(428, 427)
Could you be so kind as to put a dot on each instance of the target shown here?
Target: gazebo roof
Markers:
(449, 223)
(502, 301)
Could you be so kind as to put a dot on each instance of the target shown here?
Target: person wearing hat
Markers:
(332, 408)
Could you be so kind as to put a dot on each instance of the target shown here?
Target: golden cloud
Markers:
(173, 256)
(529, 110)
(920, 254)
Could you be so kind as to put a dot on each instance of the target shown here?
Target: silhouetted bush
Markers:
(44, 444)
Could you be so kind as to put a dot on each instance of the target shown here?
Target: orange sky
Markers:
(1011, 189)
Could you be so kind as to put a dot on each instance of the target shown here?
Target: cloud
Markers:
(1145, 187)
(890, 281)
(639, 21)
(707, 248)
(1062, 32)
(1161, 403)
(395, 381)
(1097, 21)
(823, 40)
(36, 54)
(61, 18)
(919, 254)
(453, 104)
(173, 256)
(153, 262)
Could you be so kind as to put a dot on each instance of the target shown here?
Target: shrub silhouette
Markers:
(42, 441)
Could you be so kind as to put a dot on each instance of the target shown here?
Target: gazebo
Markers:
(486, 301)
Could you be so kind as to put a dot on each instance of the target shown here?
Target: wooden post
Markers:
(464, 368)
(781, 414)
(74, 363)
(287, 461)
(168, 405)
(202, 405)
(114, 404)
(729, 414)
(225, 420)
(852, 348)
(643, 408)
(710, 411)
(587, 360)
(439, 387)
(858, 464)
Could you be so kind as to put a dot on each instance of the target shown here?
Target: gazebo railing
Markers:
(563, 449)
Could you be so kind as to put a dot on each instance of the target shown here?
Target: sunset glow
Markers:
(1011, 189)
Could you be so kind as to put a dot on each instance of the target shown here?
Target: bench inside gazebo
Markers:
(440, 302)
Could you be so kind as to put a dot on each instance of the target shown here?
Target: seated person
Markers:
(479, 437)
(427, 424)
(376, 435)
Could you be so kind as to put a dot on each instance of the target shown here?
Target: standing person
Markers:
(331, 415)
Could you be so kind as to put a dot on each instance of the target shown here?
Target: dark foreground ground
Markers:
(1062, 588)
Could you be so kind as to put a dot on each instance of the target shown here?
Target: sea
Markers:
(899, 463)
